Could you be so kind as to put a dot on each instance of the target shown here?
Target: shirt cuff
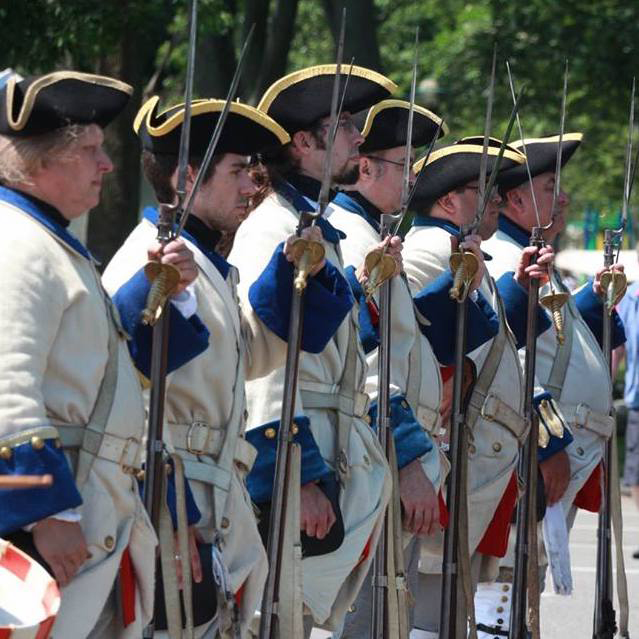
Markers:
(185, 302)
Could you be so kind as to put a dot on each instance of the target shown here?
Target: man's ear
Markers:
(365, 168)
(302, 142)
(514, 200)
(191, 173)
(447, 203)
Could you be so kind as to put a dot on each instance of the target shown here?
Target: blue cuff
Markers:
(368, 325)
(327, 301)
(187, 338)
(411, 440)
(260, 480)
(515, 299)
(555, 443)
(19, 508)
(435, 304)
(591, 307)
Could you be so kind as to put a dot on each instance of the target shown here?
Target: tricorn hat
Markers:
(385, 125)
(542, 157)
(40, 104)
(246, 130)
(300, 99)
(453, 166)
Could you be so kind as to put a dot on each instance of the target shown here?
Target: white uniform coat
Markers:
(493, 450)
(204, 390)
(54, 330)
(587, 379)
(330, 581)
(361, 237)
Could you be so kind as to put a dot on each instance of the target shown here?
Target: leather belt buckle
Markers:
(489, 408)
(194, 429)
(127, 461)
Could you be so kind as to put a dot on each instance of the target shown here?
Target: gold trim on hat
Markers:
(567, 137)
(453, 149)
(400, 104)
(147, 114)
(322, 69)
(47, 80)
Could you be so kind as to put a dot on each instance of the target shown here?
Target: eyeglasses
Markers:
(346, 124)
(395, 162)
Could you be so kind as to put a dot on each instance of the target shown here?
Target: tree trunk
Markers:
(361, 30)
(278, 44)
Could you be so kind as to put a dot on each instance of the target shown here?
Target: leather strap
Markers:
(582, 416)
(557, 377)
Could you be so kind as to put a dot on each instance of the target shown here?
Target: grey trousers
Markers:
(357, 623)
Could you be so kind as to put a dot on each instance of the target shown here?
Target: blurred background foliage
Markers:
(144, 43)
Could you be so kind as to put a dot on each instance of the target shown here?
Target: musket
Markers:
(382, 582)
(309, 253)
(614, 285)
(165, 278)
(527, 506)
(450, 625)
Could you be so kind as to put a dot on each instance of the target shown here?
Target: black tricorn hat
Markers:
(246, 130)
(40, 104)
(298, 100)
(542, 157)
(385, 125)
(455, 165)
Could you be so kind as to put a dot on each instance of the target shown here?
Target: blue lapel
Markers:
(346, 202)
(30, 208)
(513, 231)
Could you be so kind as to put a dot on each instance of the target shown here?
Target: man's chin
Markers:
(348, 176)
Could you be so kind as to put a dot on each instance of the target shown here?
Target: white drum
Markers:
(29, 596)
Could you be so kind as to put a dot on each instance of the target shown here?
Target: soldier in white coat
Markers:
(345, 481)
(447, 198)
(421, 331)
(71, 402)
(206, 405)
(574, 374)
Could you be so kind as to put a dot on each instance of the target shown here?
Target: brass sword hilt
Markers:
(380, 267)
(614, 284)
(553, 301)
(464, 265)
(164, 279)
(307, 254)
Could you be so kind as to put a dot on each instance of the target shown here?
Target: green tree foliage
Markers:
(144, 43)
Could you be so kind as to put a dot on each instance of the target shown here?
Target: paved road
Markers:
(571, 617)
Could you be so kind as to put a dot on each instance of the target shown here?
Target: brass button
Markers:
(58, 443)
(225, 522)
(496, 447)
(500, 609)
(37, 443)
(295, 429)
(504, 598)
(109, 542)
(5, 452)
(505, 587)
(500, 622)
(270, 433)
(580, 451)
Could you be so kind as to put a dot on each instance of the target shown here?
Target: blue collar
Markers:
(30, 208)
(447, 225)
(427, 220)
(348, 202)
(302, 203)
(218, 261)
(513, 231)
